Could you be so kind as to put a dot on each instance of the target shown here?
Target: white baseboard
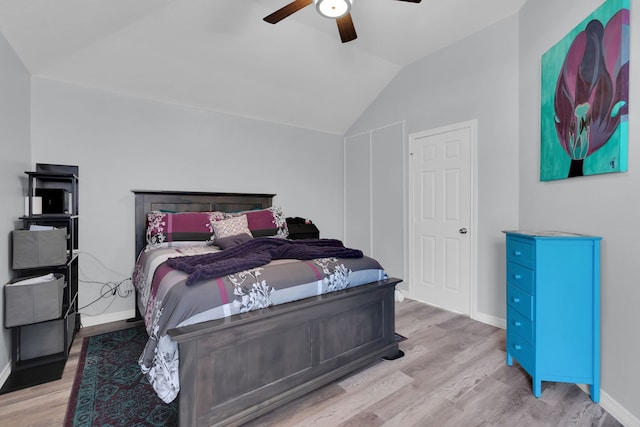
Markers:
(106, 318)
(616, 410)
(4, 375)
(490, 320)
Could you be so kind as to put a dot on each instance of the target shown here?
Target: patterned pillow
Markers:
(267, 222)
(230, 227)
(166, 229)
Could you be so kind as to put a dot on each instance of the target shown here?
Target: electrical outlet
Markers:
(127, 286)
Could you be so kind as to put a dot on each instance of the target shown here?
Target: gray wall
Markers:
(604, 205)
(122, 143)
(494, 76)
(15, 159)
(476, 78)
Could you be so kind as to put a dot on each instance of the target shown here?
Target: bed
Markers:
(235, 368)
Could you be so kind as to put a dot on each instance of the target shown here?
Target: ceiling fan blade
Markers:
(346, 28)
(289, 9)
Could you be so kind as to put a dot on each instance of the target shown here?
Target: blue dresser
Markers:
(553, 307)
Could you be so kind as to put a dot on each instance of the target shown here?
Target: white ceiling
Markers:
(220, 55)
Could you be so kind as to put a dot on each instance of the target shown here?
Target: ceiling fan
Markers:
(340, 10)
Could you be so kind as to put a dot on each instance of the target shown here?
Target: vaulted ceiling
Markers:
(220, 55)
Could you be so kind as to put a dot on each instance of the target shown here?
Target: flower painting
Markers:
(585, 97)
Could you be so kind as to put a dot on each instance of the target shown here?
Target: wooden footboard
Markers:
(236, 369)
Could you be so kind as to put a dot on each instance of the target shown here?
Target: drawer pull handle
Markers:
(516, 299)
(517, 276)
(517, 323)
(517, 346)
(517, 253)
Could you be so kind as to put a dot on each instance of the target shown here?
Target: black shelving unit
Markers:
(40, 350)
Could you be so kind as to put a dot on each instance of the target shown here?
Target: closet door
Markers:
(374, 193)
(387, 201)
(357, 204)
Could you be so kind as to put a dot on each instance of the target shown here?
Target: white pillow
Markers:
(231, 227)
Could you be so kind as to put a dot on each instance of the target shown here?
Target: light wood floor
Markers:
(453, 374)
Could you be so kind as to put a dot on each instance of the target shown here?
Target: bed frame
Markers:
(235, 369)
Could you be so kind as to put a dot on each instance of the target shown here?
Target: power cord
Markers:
(99, 262)
(110, 289)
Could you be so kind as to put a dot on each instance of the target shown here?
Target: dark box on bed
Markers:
(303, 231)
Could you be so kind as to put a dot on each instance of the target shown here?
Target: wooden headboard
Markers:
(191, 201)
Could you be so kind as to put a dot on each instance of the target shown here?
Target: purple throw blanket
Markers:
(257, 252)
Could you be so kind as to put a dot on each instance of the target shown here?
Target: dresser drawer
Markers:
(519, 324)
(520, 252)
(520, 276)
(520, 350)
(520, 301)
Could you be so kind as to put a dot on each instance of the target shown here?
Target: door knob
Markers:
(463, 230)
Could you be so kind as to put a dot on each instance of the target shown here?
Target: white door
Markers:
(441, 232)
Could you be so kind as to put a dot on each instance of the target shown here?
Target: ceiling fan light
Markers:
(333, 8)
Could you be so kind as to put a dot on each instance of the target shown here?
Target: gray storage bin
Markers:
(44, 339)
(25, 304)
(41, 248)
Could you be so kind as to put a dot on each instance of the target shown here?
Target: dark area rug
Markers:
(109, 388)
(399, 337)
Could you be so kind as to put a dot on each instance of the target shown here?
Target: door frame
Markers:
(472, 125)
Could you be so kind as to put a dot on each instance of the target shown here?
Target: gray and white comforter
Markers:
(168, 302)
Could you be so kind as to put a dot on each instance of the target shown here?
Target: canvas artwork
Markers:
(584, 99)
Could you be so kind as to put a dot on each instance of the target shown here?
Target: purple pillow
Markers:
(232, 241)
(165, 229)
(267, 222)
